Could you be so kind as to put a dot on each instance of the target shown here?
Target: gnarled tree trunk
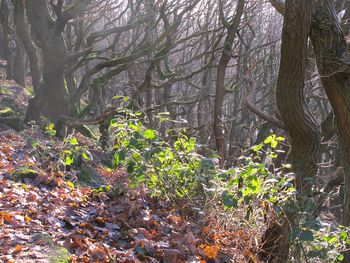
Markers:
(301, 127)
(333, 62)
(51, 101)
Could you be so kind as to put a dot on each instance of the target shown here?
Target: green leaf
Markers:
(73, 141)
(85, 156)
(281, 139)
(149, 134)
(273, 155)
(269, 139)
(340, 257)
(71, 185)
(228, 200)
(258, 147)
(118, 158)
(344, 235)
(331, 240)
(274, 144)
(306, 235)
(69, 160)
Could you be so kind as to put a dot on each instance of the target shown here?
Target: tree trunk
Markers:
(19, 65)
(1, 46)
(22, 33)
(333, 62)
(4, 20)
(220, 79)
(52, 99)
(302, 128)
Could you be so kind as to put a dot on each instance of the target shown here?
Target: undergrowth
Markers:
(235, 202)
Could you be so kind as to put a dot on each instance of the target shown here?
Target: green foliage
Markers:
(252, 183)
(5, 112)
(50, 129)
(71, 150)
(167, 169)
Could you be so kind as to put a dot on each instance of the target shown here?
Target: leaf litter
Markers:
(43, 218)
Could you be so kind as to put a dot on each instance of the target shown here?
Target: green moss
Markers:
(5, 91)
(5, 112)
(59, 255)
(23, 173)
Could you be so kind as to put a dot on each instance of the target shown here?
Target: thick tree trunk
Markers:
(301, 127)
(333, 62)
(1, 46)
(52, 99)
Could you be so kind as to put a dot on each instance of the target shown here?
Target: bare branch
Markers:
(251, 106)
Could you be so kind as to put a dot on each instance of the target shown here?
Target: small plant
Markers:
(168, 169)
(50, 129)
(71, 150)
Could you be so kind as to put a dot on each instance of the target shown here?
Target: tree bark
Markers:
(7, 52)
(301, 127)
(19, 64)
(333, 62)
(52, 99)
(22, 33)
(303, 130)
(220, 79)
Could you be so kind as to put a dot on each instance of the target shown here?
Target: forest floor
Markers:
(44, 217)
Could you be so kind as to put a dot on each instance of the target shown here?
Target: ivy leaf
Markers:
(340, 257)
(274, 144)
(228, 200)
(118, 158)
(69, 160)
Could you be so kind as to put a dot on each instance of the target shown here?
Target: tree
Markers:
(22, 33)
(51, 100)
(300, 125)
(225, 57)
(333, 61)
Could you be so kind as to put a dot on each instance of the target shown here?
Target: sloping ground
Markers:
(43, 219)
(46, 217)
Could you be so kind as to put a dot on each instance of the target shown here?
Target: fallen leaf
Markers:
(210, 251)
(17, 249)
